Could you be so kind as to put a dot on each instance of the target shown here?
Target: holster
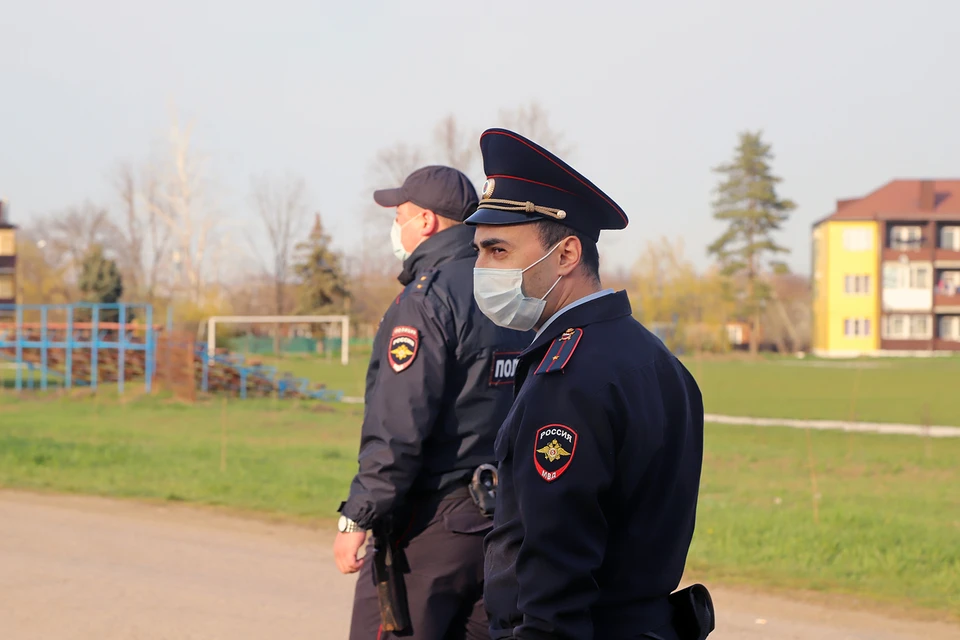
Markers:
(483, 489)
(388, 567)
(693, 615)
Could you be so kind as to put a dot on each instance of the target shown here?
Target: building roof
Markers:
(903, 200)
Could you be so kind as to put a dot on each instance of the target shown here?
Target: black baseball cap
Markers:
(444, 190)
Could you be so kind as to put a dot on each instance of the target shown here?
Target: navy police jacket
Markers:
(439, 383)
(599, 472)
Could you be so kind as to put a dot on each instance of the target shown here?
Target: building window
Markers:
(920, 326)
(8, 245)
(906, 238)
(950, 328)
(856, 327)
(7, 289)
(906, 276)
(857, 239)
(856, 284)
(900, 326)
(950, 238)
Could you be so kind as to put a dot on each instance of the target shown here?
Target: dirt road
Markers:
(75, 568)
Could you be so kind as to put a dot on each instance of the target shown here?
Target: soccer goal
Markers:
(343, 321)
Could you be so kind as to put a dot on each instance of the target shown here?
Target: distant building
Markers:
(8, 257)
(886, 271)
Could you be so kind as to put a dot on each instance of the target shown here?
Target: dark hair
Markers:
(551, 233)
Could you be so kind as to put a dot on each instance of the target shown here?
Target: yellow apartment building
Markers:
(886, 271)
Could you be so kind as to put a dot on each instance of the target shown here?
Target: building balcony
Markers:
(913, 253)
(8, 262)
(946, 255)
(947, 303)
(907, 299)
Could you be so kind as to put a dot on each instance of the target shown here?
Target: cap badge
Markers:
(487, 188)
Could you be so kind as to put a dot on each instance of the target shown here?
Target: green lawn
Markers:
(908, 390)
(887, 525)
(874, 390)
(348, 378)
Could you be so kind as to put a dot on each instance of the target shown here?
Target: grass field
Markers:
(907, 390)
(886, 525)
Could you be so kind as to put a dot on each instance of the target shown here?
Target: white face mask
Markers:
(398, 250)
(499, 294)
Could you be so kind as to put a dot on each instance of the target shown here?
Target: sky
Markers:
(651, 95)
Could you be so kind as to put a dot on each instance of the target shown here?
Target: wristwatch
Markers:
(346, 525)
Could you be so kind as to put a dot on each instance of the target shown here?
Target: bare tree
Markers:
(455, 146)
(69, 234)
(181, 204)
(146, 237)
(281, 205)
(394, 164)
(533, 122)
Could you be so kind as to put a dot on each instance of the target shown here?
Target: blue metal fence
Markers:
(33, 342)
(53, 342)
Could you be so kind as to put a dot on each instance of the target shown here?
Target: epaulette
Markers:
(560, 352)
(420, 286)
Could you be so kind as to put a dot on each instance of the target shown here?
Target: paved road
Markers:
(75, 568)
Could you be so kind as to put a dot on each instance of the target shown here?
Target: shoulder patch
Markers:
(560, 352)
(553, 449)
(503, 366)
(404, 345)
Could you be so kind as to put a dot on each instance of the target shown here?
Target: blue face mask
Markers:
(398, 249)
(499, 294)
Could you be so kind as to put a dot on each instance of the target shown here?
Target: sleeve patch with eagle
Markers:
(553, 449)
(404, 344)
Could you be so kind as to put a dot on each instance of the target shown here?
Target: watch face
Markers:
(342, 524)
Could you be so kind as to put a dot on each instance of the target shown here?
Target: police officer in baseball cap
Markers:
(438, 386)
(600, 456)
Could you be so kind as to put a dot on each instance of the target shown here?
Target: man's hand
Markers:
(345, 549)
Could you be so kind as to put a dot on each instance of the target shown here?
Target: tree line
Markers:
(166, 242)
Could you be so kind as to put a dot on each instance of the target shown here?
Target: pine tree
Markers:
(101, 282)
(323, 286)
(748, 202)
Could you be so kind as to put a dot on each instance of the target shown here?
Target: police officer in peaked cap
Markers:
(438, 386)
(600, 456)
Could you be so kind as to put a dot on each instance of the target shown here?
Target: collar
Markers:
(598, 309)
(575, 303)
(453, 243)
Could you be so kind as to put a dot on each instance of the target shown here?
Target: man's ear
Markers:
(432, 222)
(570, 253)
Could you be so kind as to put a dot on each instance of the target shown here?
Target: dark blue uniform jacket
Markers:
(599, 470)
(439, 384)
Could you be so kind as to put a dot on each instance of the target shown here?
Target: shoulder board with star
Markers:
(560, 352)
(420, 286)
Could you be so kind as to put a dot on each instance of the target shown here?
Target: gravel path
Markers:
(79, 568)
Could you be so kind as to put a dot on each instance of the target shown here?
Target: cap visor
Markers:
(495, 216)
(389, 197)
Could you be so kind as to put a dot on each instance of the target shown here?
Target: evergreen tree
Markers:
(323, 287)
(101, 282)
(748, 202)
